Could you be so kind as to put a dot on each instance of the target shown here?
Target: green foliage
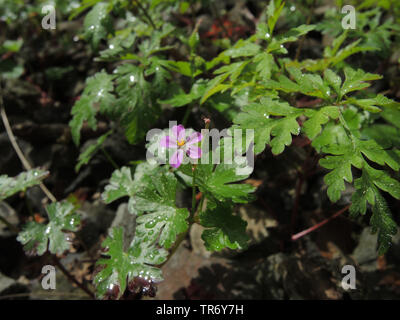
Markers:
(123, 266)
(10, 186)
(270, 118)
(152, 193)
(37, 237)
(223, 229)
(371, 31)
(97, 23)
(90, 151)
(97, 91)
(150, 66)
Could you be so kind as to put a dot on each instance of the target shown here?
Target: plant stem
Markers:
(193, 193)
(107, 155)
(16, 147)
(58, 263)
(303, 37)
(146, 14)
(181, 237)
(299, 235)
(187, 114)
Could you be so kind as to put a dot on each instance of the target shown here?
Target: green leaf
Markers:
(374, 152)
(137, 106)
(366, 104)
(119, 45)
(356, 80)
(90, 151)
(280, 127)
(36, 237)
(216, 85)
(97, 23)
(308, 84)
(122, 267)
(382, 222)
(265, 65)
(351, 152)
(243, 49)
(221, 184)
(163, 221)
(120, 185)
(223, 229)
(366, 192)
(182, 99)
(166, 223)
(340, 164)
(292, 35)
(218, 182)
(316, 118)
(274, 10)
(10, 70)
(97, 91)
(152, 195)
(10, 186)
(385, 135)
(11, 46)
(333, 80)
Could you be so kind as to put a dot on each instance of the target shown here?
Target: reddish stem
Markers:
(301, 234)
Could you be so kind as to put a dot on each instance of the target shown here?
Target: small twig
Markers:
(16, 147)
(71, 277)
(319, 225)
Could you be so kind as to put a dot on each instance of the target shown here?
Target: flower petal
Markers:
(176, 159)
(179, 132)
(194, 152)
(194, 137)
(168, 142)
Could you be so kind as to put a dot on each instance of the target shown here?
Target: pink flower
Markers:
(183, 144)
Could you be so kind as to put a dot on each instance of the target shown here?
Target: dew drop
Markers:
(150, 224)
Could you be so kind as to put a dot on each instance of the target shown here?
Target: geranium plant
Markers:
(260, 82)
